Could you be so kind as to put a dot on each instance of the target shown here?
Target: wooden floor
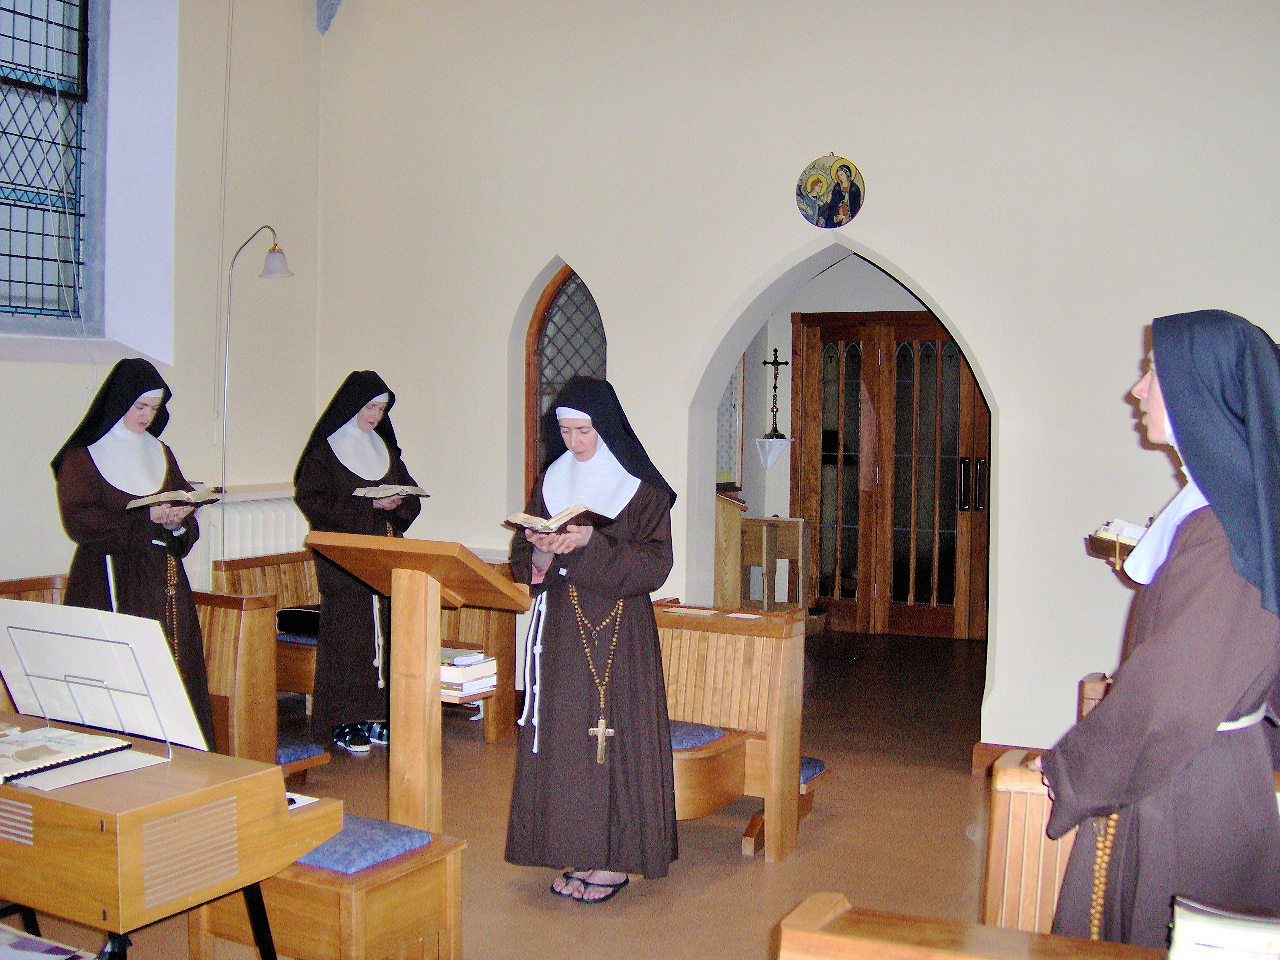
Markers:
(899, 825)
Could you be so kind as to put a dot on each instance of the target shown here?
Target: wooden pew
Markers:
(742, 673)
(291, 577)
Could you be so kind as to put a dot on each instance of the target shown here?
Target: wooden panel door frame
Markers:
(872, 609)
(875, 421)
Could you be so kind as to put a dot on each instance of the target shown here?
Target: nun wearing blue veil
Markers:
(1169, 778)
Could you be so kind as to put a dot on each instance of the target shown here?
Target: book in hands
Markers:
(1121, 531)
(193, 498)
(23, 752)
(577, 515)
(389, 490)
(1114, 540)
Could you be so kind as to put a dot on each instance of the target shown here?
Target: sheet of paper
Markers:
(82, 771)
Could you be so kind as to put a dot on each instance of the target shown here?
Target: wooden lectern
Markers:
(420, 577)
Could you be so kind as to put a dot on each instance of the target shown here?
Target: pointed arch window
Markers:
(566, 339)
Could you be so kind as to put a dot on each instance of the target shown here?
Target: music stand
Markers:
(96, 669)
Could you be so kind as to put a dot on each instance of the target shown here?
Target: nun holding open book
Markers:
(128, 559)
(350, 454)
(593, 796)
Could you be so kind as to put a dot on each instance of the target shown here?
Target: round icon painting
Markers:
(829, 193)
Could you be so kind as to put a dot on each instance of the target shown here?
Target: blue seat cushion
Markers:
(364, 843)
(690, 736)
(308, 640)
(810, 767)
(289, 750)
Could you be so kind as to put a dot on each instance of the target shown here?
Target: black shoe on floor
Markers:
(351, 738)
(378, 731)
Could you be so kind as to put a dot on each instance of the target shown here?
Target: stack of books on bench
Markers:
(466, 675)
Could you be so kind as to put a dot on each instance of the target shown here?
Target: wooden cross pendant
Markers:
(600, 731)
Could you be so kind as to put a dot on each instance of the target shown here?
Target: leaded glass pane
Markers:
(948, 471)
(728, 434)
(828, 471)
(572, 344)
(903, 448)
(851, 449)
(42, 87)
(926, 465)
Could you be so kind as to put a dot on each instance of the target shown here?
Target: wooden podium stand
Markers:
(420, 577)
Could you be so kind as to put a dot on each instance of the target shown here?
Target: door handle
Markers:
(980, 484)
(964, 486)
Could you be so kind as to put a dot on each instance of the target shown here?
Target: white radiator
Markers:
(245, 525)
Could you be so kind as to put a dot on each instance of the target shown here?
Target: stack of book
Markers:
(466, 674)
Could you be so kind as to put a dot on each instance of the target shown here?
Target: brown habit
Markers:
(567, 810)
(346, 685)
(142, 555)
(1197, 806)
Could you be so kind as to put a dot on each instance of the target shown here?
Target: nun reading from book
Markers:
(1169, 777)
(353, 446)
(593, 793)
(129, 560)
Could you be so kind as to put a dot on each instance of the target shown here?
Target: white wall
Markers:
(1044, 177)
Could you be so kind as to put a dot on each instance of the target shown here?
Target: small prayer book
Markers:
(193, 497)
(23, 752)
(389, 490)
(1114, 540)
(577, 515)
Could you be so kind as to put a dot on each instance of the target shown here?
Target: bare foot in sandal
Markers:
(589, 886)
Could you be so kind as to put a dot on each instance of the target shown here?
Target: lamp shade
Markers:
(770, 448)
(275, 266)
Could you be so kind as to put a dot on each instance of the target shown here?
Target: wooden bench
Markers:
(744, 674)
(291, 577)
(239, 650)
(402, 906)
(825, 927)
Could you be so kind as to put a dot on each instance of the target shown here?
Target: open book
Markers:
(577, 514)
(389, 490)
(1114, 540)
(1208, 933)
(24, 752)
(192, 497)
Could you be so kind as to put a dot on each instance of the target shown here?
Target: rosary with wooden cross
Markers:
(599, 731)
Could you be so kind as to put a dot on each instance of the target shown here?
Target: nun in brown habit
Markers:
(130, 561)
(1169, 778)
(597, 805)
(353, 445)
